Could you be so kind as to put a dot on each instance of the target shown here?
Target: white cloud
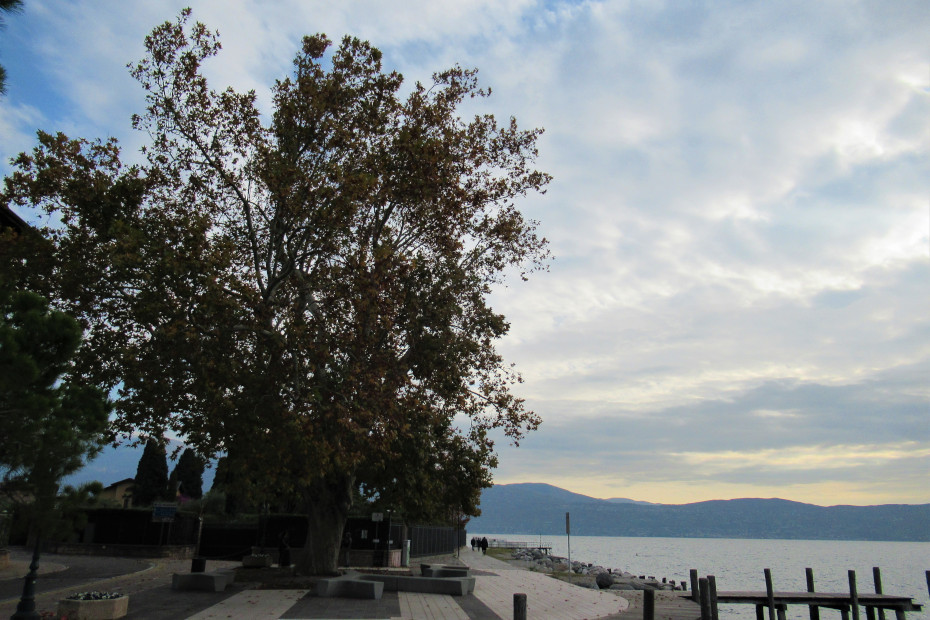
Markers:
(14, 122)
(740, 201)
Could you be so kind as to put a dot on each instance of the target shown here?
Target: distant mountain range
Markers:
(533, 508)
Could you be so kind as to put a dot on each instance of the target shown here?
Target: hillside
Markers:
(534, 508)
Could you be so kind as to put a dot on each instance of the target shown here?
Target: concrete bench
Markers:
(206, 582)
(456, 586)
(429, 570)
(350, 585)
(446, 573)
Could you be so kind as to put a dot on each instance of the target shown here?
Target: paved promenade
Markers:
(546, 597)
(151, 598)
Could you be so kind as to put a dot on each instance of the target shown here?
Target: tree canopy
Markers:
(307, 292)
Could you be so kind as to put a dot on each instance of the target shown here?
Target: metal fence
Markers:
(434, 540)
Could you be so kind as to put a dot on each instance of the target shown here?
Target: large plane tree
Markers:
(308, 290)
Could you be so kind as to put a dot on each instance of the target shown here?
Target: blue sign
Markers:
(163, 512)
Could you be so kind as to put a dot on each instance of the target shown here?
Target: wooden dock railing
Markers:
(510, 544)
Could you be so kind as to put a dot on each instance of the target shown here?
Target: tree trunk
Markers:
(327, 504)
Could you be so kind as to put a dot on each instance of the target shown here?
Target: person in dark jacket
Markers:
(484, 545)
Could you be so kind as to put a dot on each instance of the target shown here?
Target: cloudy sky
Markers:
(739, 304)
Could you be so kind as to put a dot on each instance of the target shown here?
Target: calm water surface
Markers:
(738, 564)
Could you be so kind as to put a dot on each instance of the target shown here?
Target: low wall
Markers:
(175, 552)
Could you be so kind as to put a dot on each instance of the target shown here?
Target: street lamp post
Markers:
(26, 609)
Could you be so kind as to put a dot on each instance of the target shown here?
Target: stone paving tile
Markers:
(316, 607)
(163, 603)
(431, 606)
(254, 604)
(477, 610)
(547, 598)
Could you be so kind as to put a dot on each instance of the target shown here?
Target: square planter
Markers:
(93, 610)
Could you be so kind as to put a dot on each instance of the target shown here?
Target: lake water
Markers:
(738, 564)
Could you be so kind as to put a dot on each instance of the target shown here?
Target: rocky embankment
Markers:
(597, 576)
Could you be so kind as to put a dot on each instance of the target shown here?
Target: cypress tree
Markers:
(152, 474)
(223, 483)
(189, 473)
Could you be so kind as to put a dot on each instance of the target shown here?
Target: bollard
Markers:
(814, 609)
(519, 606)
(198, 565)
(649, 604)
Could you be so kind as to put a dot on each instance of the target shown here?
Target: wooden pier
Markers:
(843, 602)
(545, 547)
(704, 592)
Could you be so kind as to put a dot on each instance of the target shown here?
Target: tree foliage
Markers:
(306, 292)
(151, 481)
(51, 420)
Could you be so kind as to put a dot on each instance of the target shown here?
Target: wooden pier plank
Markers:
(822, 599)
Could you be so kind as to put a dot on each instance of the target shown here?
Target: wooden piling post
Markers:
(519, 606)
(814, 609)
(704, 589)
(712, 595)
(853, 595)
(769, 592)
(696, 591)
(877, 580)
(649, 605)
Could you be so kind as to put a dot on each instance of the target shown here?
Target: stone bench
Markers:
(206, 582)
(456, 586)
(350, 585)
(429, 570)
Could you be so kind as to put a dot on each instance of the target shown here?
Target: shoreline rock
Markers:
(596, 576)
